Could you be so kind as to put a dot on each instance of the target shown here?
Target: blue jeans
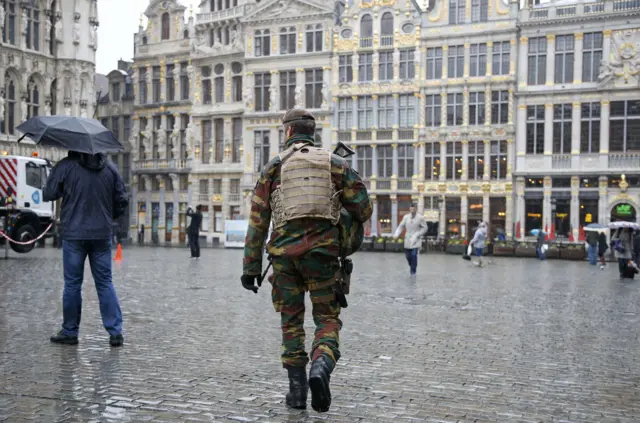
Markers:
(412, 258)
(593, 254)
(478, 252)
(74, 254)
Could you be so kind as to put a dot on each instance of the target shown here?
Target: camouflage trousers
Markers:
(292, 277)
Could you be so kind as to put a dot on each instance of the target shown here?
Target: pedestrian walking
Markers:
(602, 249)
(540, 242)
(478, 241)
(304, 248)
(416, 227)
(592, 247)
(622, 243)
(93, 195)
(193, 231)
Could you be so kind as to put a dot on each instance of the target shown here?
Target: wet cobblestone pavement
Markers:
(518, 341)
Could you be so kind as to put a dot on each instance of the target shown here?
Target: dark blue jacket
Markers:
(92, 193)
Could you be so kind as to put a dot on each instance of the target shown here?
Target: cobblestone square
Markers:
(517, 341)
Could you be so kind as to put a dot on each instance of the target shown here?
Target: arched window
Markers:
(205, 72)
(366, 31)
(166, 26)
(33, 99)
(185, 34)
(10, 106)
(144, 40)
(386, 29)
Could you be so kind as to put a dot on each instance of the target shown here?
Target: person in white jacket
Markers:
(416, 227)
(478, 241)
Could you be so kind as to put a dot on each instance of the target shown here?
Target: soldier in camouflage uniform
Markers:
(304, 249)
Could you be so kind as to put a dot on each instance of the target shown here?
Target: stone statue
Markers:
(175, 141)
(246, 97)
(47, 29)
(67, 110)
(325, 94)
(146, 133)
(298, 96)
(191, 71)
(24, 21)
(605, 73)
(190, 137)
(236, 39)
(161, 137)
(93, 37)
(2, 101)
(176, 72)
(273, 98)
(24, 109)
(76, 33)
(58, 27)
(2, 15)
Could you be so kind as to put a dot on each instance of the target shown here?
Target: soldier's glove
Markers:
(249, 282)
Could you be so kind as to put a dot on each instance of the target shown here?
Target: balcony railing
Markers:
(545, 11)
(405, 134)
(344, 136)
(405, 184)
(234, 198)
(366, 42)
(624, 160)
(384, 135)
(161, 164)
(386, 41)
(383, 184)
(363, 135)
(209, 17)
(561, 161)
(204, 198)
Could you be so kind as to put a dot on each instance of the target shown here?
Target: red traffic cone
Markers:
(118, 256)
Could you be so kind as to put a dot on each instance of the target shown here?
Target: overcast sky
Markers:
(119, 20)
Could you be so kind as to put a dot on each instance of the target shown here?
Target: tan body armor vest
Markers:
(306, 189)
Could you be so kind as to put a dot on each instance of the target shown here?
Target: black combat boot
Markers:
(297, 396)
(319, 376)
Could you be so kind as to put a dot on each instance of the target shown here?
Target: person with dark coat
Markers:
(602, 249)
(539, 243)
(93, 196)
(194, 231)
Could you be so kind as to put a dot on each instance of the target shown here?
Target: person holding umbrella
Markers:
(622, 243)
(93, 196)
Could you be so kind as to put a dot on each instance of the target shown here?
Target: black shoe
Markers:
(319, 376)
(61, 338)
(116, 340)
(298, 388)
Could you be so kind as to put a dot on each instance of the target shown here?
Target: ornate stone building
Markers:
(47, 65)
(426, 98)
(578, 119)
(163, 131)
(115, 110)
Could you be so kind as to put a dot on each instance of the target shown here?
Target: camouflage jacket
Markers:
(300, 236)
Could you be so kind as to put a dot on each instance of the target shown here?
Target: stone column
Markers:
(546, 204)
(175, 231)
(576, 114)
(396, 64)
(177, 90)
(606, 43)
(394, 148)
(374, 161)
(551, 58)
(133, 210)
(443, 161)
(511, 105)
(422, 113)
(465, 106)
(445, 60)
(375, 109)
(421, 155)
(574, 207)
(442, 224)
(376, 66)
(394, 212)
(489, 58)
(522, 60)
(274, 90)
(521, 130)
(396, 112)
(227, 137)
(147, 217)
(354, 113)
(508, 220)
(416, 158)
(520, 206)
(487, 106)
(512, 57)
(163, 85)
(355, 64)
(374, 215)
(548, 129)
(487, 160)
(467, 60)
(577, 62)
(443, 109)
(465, 160)
(603, 212)
(464, 216)
(605, 113)
(486, 212)
(161, 215)
(510, 159)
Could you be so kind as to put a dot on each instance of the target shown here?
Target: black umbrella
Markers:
(71, 133)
